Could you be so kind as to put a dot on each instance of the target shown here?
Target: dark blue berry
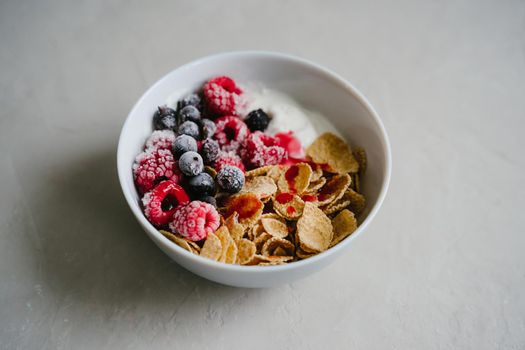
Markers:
(209, 151)
(183, 144)
(189, 100)
(164, 118)
(208, 128)
(202, 185)
(257, 120)
(189, 113)
(190, 163)
(189, 128)
(208, 199)
(230, 179)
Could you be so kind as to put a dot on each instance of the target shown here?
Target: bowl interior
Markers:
(309, 84)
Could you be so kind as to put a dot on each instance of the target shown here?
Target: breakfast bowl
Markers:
(347, 111)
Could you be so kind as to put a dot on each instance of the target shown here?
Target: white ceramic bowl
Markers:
(308, 83)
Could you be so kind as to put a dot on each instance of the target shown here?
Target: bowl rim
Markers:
(343, 83)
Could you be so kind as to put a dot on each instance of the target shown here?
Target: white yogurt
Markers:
(286, 113)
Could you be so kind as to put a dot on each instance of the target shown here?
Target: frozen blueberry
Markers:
(257, 120)
(189, 113)
(208, 128)
(189, 100)
(202, 185)
(208, 199)
(230, 179)
(190, 163)
(164, 118)
(183, 144)
(209, 151)
(189, 128)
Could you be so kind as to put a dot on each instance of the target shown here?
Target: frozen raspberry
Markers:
(160, 139)
(230, 133)
(228, 158)
(153, 166)
(162, 201)
(260, 149)
(195, 221)
(222, 96)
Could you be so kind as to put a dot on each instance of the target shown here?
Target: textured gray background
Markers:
(442, 267)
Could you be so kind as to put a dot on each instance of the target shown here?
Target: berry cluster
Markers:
(197, 150)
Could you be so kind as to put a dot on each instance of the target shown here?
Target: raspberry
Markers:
(221, 96)
(230, 133)
(260, 149)
(160, 139)
(161, 202)
(195, 221)
(228, 158)
(153, 166)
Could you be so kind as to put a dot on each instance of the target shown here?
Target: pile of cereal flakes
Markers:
(213, 180)
(286, 213)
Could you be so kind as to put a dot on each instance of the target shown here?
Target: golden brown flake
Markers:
(314, 229)
(275, 227)
(333, 151)
(212, 247)
(344, 224)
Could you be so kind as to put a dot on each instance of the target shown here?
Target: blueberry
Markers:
(230, 179)
(189, 113)
(209, 151)
(202, 185)
(189, 100)
(189, 128)
(183, 144)
(208, 128)
(257, 120)
(208, 199)
(190, 163)
(164, 118)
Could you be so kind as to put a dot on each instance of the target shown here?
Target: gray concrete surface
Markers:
(442, 267)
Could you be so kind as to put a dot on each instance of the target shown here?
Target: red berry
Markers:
(160, 139)
(161, 202)
(230, 133)
(195, 220)
(260, 149)
(153, 166)
(221, 95)
(228, 158)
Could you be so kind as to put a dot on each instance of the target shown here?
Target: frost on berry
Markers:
(153, 166)
(160, 139)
